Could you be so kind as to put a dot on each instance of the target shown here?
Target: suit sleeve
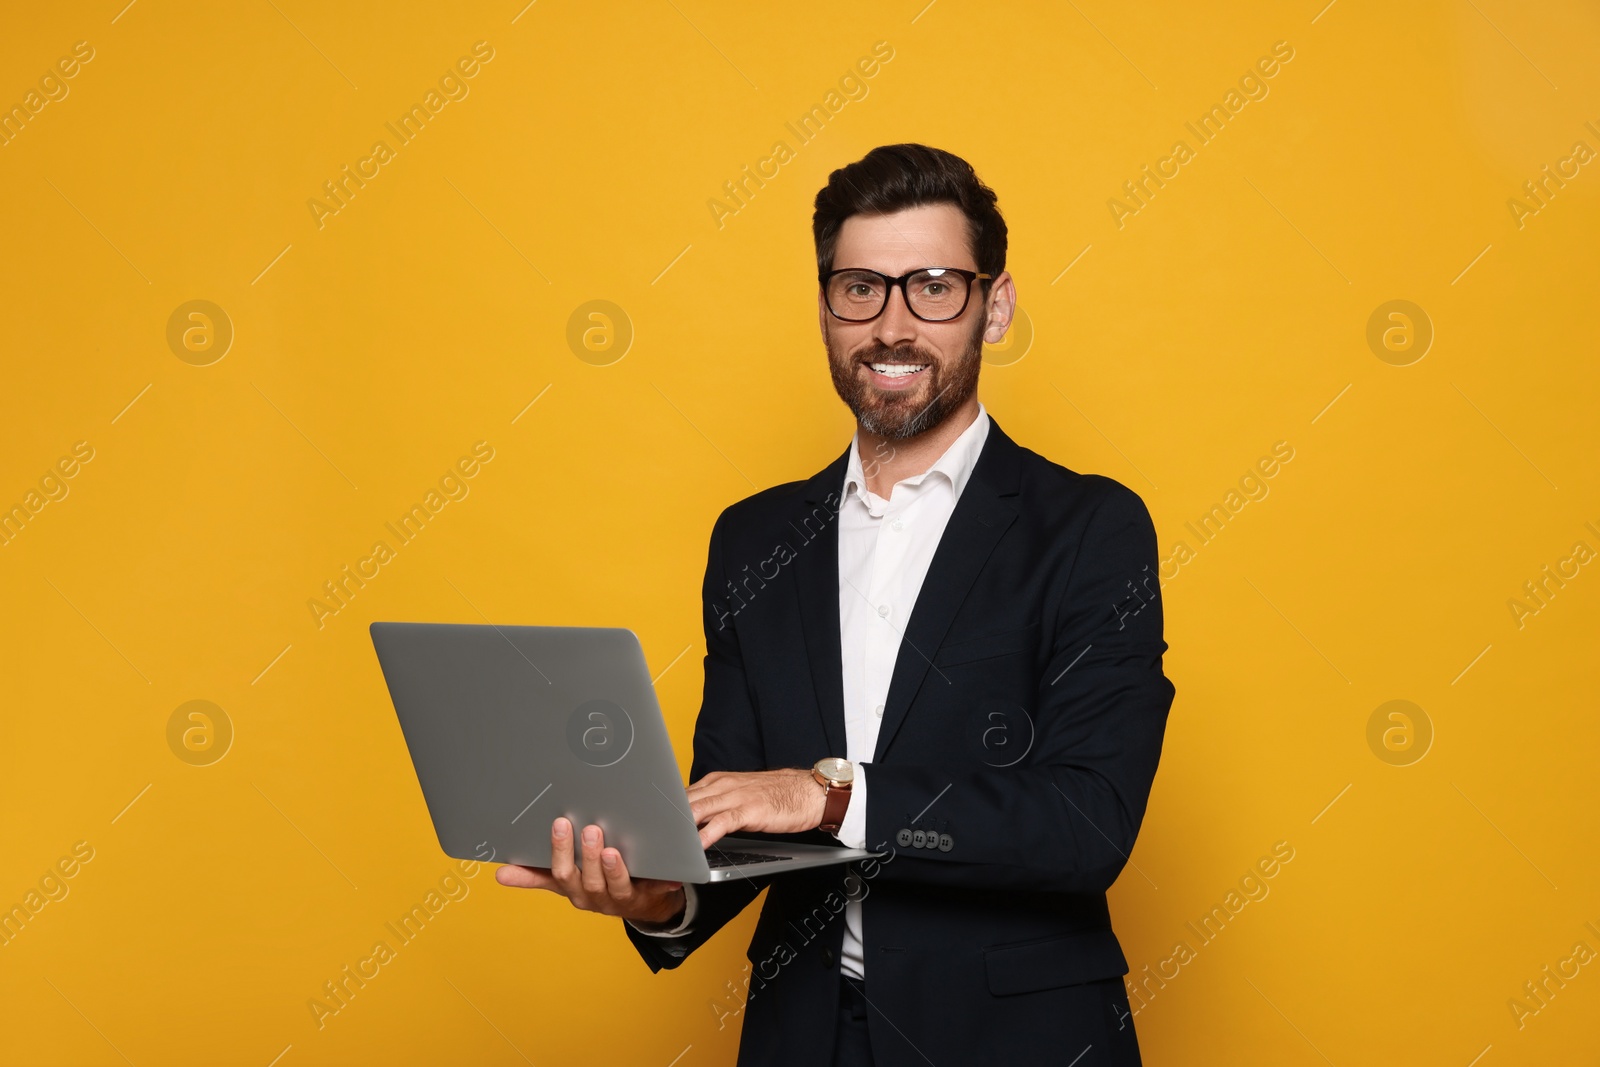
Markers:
(727, 737)
(1064, 818)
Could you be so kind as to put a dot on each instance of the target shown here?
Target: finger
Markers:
(653, 885)
(712, 784)
(618, 885)
(593, 879)
(561, 866)
(716, 797)
(632, 899)
(720, 825)
(713, 804)
(526, 877)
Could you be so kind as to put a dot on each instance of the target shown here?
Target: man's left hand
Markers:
(784, 801)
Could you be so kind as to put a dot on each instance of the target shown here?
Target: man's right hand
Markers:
(603, 885)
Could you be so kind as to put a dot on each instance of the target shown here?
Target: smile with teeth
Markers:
(898, 370)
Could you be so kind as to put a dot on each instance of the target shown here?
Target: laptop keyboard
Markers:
(720, 858)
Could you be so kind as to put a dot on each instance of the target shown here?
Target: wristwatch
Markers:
(836, 776)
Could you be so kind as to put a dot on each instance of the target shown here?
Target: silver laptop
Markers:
(511, 726)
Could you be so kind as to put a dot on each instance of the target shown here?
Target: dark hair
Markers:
(893, 177)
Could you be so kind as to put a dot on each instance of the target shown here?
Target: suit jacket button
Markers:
(903, 838)
(919, 838)
(946, 842)
(827, 957)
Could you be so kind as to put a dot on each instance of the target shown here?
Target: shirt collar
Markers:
(956, 464)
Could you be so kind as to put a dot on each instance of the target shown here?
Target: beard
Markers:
(905, 413)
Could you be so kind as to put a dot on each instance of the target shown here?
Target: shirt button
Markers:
(878, 711)
(883, 609)
(898, 524)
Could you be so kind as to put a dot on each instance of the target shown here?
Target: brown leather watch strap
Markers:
(835, 799)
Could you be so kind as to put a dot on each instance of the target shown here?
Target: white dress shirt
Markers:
(885, 547)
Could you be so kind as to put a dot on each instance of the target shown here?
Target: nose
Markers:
(895, 323)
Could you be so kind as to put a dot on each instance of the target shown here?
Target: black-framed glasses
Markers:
(933, 294)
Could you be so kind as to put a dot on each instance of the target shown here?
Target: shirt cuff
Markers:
(852, 832)
(683, 926)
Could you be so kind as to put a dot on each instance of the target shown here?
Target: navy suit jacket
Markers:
(1014, 761)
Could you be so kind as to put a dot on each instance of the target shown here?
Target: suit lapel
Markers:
(981, 517)
(816, 569)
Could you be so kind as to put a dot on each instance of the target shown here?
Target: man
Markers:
(943, 647)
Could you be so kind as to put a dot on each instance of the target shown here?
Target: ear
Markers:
(822, 315)
(1001, 308)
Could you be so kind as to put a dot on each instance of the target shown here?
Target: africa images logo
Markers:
(600, 733)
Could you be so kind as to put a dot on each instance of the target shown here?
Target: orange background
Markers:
(443, 304)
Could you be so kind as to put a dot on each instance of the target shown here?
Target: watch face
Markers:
(840, 770)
